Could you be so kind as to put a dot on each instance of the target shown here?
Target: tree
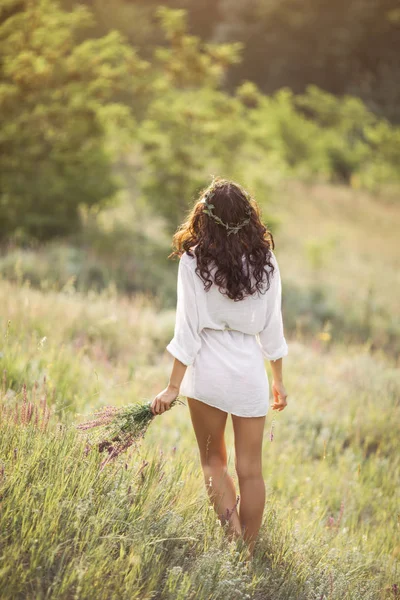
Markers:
(192, 129)
(59, 99)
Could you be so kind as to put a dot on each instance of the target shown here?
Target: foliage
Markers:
(285, 44)
(78, 113)
(58, 98)
(193, 129)
(355, 141)
(317, 134)
(187, 128)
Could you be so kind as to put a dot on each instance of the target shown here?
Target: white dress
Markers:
(224, 343)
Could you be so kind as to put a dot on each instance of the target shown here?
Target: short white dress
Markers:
(224, 343)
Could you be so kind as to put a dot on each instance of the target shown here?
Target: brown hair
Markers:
(249, 246)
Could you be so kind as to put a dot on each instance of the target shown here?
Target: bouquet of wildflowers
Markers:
(120, 428)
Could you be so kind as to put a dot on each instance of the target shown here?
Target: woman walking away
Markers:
(228, 320)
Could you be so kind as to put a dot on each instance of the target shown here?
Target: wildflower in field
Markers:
(31, 411)
(121, 427)
(271, 434)
(229, 512)
(333, 523)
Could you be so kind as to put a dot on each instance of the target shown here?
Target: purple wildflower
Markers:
(271, 434)
(121, 427)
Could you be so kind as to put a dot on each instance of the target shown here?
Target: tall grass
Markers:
(143, 527)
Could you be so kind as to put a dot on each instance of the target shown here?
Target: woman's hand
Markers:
(280, 395)
(163, 400)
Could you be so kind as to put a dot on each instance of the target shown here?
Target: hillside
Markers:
(356, 235)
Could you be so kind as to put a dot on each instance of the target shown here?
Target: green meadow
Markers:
(142, 527)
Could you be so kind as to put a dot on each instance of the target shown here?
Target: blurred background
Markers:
(113, 115)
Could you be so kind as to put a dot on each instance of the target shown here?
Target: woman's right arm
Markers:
(272, 338)
(278, 389)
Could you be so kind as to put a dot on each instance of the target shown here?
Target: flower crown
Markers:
(230, 228)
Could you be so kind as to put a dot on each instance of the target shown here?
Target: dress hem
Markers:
(228, 411)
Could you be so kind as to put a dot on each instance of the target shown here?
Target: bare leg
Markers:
(209, 427)
(248, 448)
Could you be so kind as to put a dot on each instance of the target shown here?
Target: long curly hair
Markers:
(239, 259)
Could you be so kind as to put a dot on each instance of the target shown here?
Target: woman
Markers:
(228, 320)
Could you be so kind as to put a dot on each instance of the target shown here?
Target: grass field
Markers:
(143, 528)
(346, 239)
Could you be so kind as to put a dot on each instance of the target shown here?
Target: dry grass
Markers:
(358, 236)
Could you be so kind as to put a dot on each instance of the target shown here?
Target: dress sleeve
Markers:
(271, 338)
(186, 341)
